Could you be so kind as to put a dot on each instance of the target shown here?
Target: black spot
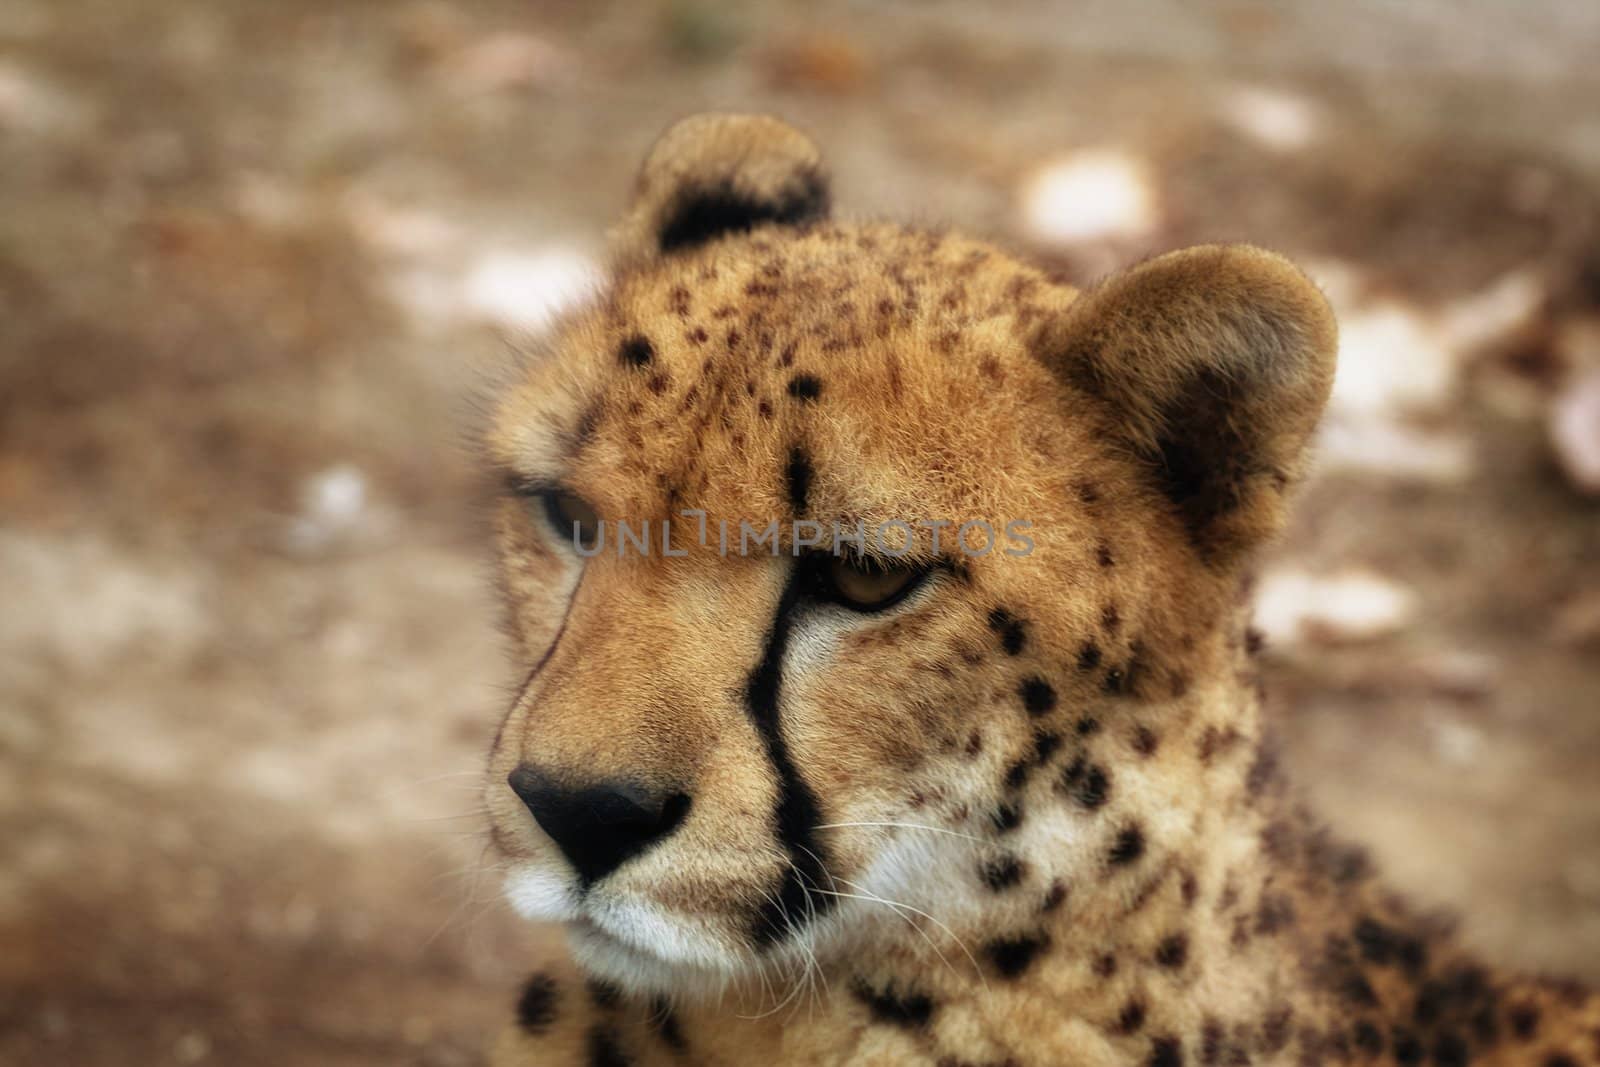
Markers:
(1210, 1041)
(1173, 951)
(909, 1010)
(1430, 1002)
(1263, 770)
(1013, 631)
(703, 213)
(1115, 682)
(587, 424)
(536, 1007)
(1384, 945)
(1368, 1038)
(1145, 741)
(1006, 818)
(1055, 897)
(1037, 696)
(1189, 886)
(1559, 1059)
(798, 475)
(1486, 1027)
(1045, 744)
(1524, 1021)
(805, 387)
(1012, 955)
(1128, 847)
(1274, 913)
(1407, 1049)
(1105, 965)
(604, 994)
(1002, 873)
(1275, 1029)
(665, 1022)
(1073, 773)
(1088, 726)
(1131, 1017)
(1017, 773)
(1093, 788)
(1449, 1051)
(636, 351)
(1089, 656)
(603, 1050)
(1166, 1052)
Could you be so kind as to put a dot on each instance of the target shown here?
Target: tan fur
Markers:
(1111, 875)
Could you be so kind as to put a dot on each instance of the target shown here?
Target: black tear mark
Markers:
(798, 475)
(536, 1007)
(706, 212)
(910, 1010)
(603, 1050)
(1012, 630)
(636, 351)
(1013, 955)
(1128, 847)
(1037, 696)
(805, 387)
(798, 812)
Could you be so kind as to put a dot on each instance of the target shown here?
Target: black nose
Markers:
(599, 826)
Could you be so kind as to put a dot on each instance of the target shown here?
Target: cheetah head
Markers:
(747, 741)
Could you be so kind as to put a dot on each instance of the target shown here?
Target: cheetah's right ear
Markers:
(1215, 363)
(714, 174)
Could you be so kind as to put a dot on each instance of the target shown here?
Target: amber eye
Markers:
(571, 517)
(867, 584)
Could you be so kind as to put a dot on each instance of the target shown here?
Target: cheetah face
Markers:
(742, 741)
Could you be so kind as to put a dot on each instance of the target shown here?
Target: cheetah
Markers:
(990, 789)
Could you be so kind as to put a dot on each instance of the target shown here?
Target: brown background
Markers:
(254, 257)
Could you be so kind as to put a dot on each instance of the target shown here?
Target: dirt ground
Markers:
(256, 260)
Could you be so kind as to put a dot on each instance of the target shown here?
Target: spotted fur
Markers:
(1028, 815)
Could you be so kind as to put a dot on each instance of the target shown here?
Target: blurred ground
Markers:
(254, 257)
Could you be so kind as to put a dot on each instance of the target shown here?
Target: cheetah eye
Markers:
(570, 516)
(866, 584)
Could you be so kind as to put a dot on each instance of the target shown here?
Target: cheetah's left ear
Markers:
(1216, 362)
(713, 175)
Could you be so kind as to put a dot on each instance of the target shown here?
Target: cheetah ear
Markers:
(1216, 362)
(716, 174)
